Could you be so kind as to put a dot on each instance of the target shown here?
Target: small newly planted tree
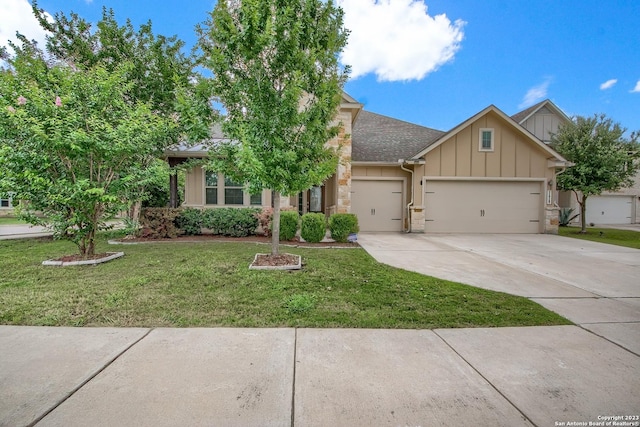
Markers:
(72, 142)
(604, 159)
(276, 72)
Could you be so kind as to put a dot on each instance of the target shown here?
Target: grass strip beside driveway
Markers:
(627, 238)
(209, 284)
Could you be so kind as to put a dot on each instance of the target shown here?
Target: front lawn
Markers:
(628, 238)
(209, 284)
(7, 220)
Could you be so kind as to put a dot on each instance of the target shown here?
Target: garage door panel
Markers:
(378, 204)
(483, 206)
(609, 209)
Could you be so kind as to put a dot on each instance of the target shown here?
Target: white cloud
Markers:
(16, 15)
(637, 88)
(608, 84)
(397, 39)
(535, 94)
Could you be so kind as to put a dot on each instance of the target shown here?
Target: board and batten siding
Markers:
(513, 156)
(543, 124)
(194, 187)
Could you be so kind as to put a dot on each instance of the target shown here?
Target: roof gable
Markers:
(510, 122)
(541, 107)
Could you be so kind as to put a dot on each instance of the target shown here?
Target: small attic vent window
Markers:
(486, 139)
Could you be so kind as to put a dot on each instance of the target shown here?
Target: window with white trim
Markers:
(211, 188)
(6, 203)
(486, 139)
(223, 191)
(233, 192)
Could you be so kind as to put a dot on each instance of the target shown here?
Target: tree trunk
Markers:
(91, 243)
(134, 212)
(275, 224)
(583, 213)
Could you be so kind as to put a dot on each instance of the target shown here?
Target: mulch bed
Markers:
(249, 239)
(266, 260)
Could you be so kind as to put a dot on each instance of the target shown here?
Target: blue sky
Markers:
(438, 62)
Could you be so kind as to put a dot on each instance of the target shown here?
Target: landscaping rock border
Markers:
(112, 255)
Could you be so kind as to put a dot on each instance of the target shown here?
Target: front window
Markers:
(224, 191)
(233, 192)
(486, 139)
(211, 188)
(256, 199)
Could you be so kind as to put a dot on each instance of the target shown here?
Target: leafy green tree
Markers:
(276, 72)
(72, 141)
(163, 76)
(604, 159)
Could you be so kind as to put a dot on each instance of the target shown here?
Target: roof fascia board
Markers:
(363, 163)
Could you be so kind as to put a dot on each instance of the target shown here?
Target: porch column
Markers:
(173, 190)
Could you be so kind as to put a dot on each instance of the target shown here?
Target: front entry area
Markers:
(378, 204)
(483, 206)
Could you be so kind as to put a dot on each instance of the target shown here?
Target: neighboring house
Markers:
(6, 205)
(486, 175)
(620, 207)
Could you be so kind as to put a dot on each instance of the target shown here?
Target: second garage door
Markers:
(483, 206)
(609, 209)
(378, 204)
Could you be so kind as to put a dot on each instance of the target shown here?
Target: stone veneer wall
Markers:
(551, 220)
(343, 174)
(417, 219)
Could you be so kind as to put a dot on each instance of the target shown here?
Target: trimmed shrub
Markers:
(190, 221)
(313, 227)
(341, 225)
(233, 222)
(159, 223)
(288, 224)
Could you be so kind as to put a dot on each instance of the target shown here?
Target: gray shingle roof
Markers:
(519, 117)
(378, 138)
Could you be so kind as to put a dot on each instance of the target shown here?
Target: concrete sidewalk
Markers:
(26, 231)
(313, 377)
(22, 231)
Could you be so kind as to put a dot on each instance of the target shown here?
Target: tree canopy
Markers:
(276, 73)
(604, 159)
(82, 123)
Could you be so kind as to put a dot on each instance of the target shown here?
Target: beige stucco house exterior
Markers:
(620, 207)
(489, 174)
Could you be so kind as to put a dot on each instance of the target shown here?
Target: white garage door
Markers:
(483, 207)
(378, 204)
(609, 209)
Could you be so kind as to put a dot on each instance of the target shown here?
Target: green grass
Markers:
(209, 284)
(628, 238)
(4, 220)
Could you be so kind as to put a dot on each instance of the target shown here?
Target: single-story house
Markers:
(620, 207)
(489, 174)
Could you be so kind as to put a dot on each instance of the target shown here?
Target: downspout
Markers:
(401, 161)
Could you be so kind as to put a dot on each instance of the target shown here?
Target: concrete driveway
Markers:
(592, 284)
